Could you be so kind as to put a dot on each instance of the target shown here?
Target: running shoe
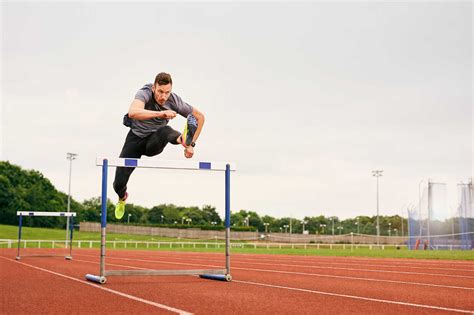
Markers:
(120, 207)
(189, 131)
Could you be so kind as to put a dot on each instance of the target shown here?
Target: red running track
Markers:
(263, 284)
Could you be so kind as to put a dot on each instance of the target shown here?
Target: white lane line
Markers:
(358, 264)
(316, 267)
(128, 296)
(326, 293)
(356, 297)
(365, 270)
(281, 263)
(283, 272)
(353, 260)
(415, 265)
(358, 278)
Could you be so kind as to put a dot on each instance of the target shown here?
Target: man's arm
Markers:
(137, 111)
(189, 151)
(200, 121)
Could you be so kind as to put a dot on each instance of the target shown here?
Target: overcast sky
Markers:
(307, 99)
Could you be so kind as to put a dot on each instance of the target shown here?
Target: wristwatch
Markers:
(193, 144)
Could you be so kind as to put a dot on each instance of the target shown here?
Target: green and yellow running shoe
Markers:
(189, 130)
(120, 207)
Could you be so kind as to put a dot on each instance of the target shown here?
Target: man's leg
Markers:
(158, 141)
(133, 148)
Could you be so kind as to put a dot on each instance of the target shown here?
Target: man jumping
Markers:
(154, 105)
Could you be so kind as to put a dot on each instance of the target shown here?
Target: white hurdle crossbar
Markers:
(176, 165)
(214, 274)
(21, 214)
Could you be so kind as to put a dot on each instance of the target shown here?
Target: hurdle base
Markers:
(97, 279)
(226, 277)
(174, 272)
(68, 257)
(18, 258)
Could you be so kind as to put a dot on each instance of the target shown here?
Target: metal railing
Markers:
(127, 244)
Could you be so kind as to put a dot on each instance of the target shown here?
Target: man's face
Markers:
(162, 92)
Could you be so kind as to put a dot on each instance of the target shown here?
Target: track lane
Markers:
(266, 297)
(428, 294)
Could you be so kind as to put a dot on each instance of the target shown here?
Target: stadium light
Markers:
(70, 157)
(266, 226)
(377, 174)
(304, 223)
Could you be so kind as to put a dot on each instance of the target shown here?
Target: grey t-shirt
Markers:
(143, 128)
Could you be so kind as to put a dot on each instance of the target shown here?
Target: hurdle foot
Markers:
(97, 279)
(17, 258)
(68, 257)
(226, 277)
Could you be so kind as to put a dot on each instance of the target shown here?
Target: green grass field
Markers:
(27, 233)
(174, 244)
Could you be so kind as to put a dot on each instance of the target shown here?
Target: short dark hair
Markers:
(163, 78)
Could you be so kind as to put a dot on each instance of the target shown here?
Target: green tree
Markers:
(91, 209)
(171, 214)
(194, 214)
(28, 190)
(156, 214)
(210, 215)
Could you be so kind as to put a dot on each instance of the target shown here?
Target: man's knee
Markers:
(154, 151)
(171, 135)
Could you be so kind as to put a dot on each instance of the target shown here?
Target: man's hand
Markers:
(167, 114)
(189, 152)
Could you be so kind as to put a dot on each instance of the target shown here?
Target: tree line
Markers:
(29, 190)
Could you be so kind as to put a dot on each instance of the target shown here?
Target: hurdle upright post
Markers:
(103, 227)
(227, 218)
(101, 277)
(71, 228)
(19, 236)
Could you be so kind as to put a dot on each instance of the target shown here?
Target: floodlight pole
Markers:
(266, 224)
(377, 174)
(70, 157)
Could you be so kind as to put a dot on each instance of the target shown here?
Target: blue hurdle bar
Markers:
(186, 165)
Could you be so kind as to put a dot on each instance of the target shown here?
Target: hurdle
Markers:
(214, 274)
(20, 214)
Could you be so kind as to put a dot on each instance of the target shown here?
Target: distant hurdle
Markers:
(20, 214)
(214, 274)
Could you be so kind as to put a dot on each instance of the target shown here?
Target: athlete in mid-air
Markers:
(154, 105)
